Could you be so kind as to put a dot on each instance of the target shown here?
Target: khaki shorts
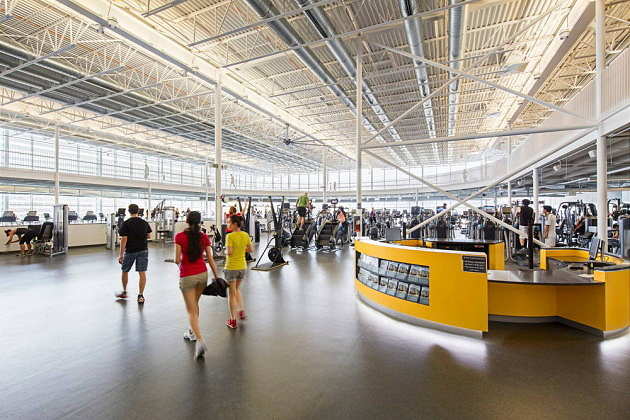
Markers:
(523, 230)
(232, 275)
(191, 282)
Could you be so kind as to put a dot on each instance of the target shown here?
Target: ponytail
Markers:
(193, 233)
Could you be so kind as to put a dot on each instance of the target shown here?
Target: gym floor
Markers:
(309, 350)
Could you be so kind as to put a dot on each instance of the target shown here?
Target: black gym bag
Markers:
(218, 287)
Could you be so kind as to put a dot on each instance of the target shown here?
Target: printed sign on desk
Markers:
(474, 264)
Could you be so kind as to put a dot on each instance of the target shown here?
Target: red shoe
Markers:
(231, 323)
(121, 295)
(242, 315)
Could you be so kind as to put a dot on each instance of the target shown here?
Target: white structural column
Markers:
(218, 138)
(324, 175)
(6, 147)
(602, 176)
(56, 165)
(535, 191)
(509, 169)
(359, 124)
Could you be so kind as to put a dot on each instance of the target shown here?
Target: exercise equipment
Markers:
(43, 244)
(89, 216)
(273, 252)
(326, 228)
(217, 241)
(247, 228)
(302, 238)
(165, 218)
(72, 216)
(624, 236)
(60, 230)
(115, 222)
(31, 217)
(8, 217)
(617, 208)
(577, 223)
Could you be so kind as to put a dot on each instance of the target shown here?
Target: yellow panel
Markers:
(409, 242)
(583, 304)
(617, 298)
(521, 300)
(457, 298)
(496, 257)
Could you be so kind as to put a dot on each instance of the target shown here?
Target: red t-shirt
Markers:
(186, 267)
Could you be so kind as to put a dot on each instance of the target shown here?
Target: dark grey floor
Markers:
(309, 351)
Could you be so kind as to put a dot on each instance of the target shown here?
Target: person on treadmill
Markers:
(302, 203)
(24, 237)
(525, 219)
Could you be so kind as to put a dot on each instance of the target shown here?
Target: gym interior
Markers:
(430, 200)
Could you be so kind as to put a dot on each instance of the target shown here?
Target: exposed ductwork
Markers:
(455, 29)
(415, 36)
(324, 28)
(283, 30)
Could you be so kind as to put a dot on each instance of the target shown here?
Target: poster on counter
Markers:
(401, 290)
(384, 267)
(424, 296)
(382, 285)
(391, 287)
(403, 269)
(413, 293)
(392, 270)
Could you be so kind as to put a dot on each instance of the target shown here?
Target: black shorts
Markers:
(301, 211)
(27, 237)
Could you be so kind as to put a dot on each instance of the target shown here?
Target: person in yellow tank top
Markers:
(237, 244)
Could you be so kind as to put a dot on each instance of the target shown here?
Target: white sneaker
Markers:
(190, 335)
(200, 349)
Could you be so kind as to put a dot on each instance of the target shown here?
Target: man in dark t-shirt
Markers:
(134, 233)
(525, 219)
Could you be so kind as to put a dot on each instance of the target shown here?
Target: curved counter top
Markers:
(541, 278)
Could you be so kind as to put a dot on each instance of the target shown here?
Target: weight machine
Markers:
(165, 218)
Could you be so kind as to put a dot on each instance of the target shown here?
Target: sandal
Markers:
(140, 299)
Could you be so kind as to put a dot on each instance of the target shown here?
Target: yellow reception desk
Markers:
(444, 289)
(413, 281)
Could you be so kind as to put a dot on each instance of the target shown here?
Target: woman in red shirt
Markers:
(190, 246)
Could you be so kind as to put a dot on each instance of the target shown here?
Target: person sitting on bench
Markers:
(24, 237)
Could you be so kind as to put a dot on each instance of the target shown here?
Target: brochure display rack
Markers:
(409, 282)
